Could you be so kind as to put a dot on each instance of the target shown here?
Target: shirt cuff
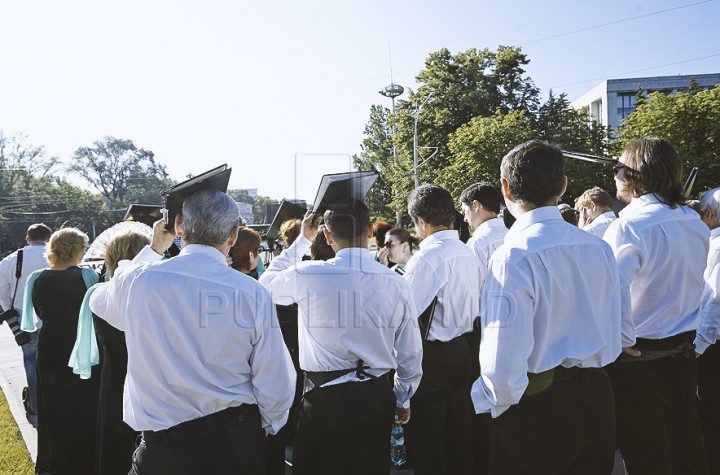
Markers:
(701, 345)
(147, 255)
(274, 427)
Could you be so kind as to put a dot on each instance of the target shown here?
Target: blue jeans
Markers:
(29, 356)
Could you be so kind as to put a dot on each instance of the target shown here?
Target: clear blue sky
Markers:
(202, 83)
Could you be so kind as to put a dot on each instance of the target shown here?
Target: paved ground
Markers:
(12, 382)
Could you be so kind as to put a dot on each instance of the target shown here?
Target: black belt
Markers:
(538, 382)
(458, 339)
(315, 379)
(203, 424)
(665, 344)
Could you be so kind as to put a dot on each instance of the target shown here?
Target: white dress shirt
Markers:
(662, 252)
(33, 259)
(350, 307)
(600, 224)
(552, 298)
(446, 268)
(201, 337)
(709, 329)
(485, 239)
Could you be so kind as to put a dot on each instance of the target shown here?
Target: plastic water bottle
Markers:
(397, 445)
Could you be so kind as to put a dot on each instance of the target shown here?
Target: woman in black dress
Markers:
(115, 439)
(67, 405)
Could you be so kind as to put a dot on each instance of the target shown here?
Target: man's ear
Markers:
(507, 194)
(234, 233)
(421, 222)
(565, 182)
(328, 236)
(370, 232)
(178, 225)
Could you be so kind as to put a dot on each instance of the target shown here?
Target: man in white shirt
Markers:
(444, 277)
(356, 323)
(596, 211)
(33, 259)
(661, 249)
(480, 204)
(548, 328)
(207, 366)
(706, 346)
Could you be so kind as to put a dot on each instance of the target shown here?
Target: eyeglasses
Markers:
(617, 168)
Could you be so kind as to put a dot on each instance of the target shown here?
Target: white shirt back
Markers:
(600, 224)
(552, 298)
(33, 259)
(709, 328)
(201, 337)
(662, 252)
(350, 308)
(446, 268)
(485, 239)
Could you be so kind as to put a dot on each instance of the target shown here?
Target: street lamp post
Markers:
(392, 91)
(415, 142)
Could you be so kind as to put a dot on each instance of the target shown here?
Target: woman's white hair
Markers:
(208, 217)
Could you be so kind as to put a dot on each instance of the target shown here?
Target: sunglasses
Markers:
(619, 170)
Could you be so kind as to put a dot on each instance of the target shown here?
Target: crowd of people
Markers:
(541, 347)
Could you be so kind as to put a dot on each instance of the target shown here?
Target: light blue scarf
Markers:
(85, 352)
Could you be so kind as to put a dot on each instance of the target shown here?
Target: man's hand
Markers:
(162, 238)
(311, 225)
(632, 352)
(403, 415)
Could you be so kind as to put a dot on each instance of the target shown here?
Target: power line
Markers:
(614, 22)
(637, 70)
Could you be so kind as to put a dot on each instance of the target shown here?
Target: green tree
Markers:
(259, 204)
(376, 154)
(19, 161)
(690, 121)
(474, 83)
(479, 146)
(120, 171)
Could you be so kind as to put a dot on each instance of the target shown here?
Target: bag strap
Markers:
(18, 274)
(426, 318)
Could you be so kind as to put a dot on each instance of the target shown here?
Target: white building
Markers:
(614, 99)
(246, 211)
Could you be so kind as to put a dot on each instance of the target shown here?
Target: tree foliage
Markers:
(690, 121)
(120, 171)
(259, 204)
(376, 154)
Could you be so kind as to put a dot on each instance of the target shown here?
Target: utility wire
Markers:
(637, 70)
(614, 22)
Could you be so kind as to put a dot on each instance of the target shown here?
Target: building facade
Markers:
(614, 99)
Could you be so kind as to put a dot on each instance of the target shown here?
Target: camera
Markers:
(11, 317)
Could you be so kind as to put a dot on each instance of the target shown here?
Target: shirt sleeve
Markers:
(6, 282)
(425, 281)
(274, 375)
(279, 279)
(507, 337)
(408, 353)
(709, 328)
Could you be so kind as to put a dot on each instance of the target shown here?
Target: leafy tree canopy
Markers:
(690, 121)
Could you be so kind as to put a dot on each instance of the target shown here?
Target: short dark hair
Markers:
(534, 172)
(654, 167)
(485, 194)
(39, 232)
(348, 220)
(434, 204)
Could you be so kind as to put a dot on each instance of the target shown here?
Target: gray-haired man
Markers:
(207, 366)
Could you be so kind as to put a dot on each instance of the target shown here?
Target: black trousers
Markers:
(658, 428)
(344, 429)
(439, 435)
(228, 442)
(481, 423)
(563, 424)
(709, 404)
